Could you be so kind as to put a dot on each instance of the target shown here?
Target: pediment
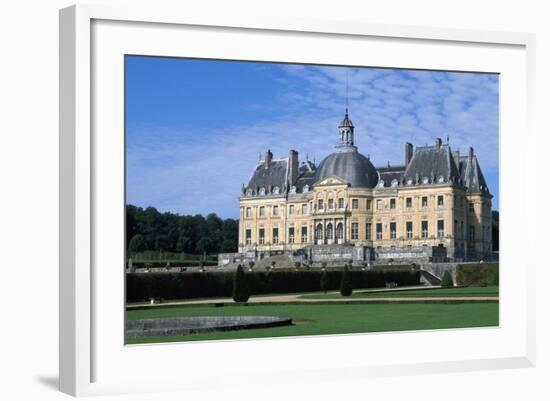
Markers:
(332, 180)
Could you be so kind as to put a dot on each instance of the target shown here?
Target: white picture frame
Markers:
(83, 349)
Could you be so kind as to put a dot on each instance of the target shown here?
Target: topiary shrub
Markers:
(240, 286)
(346, 287)
(447, 280)
(324, 283)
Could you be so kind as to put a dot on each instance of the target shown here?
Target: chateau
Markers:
(434, 207)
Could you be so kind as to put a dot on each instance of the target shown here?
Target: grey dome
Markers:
(351, 166)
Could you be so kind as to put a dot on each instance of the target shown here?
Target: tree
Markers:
(240, 286)
(324, 283)
(137, 244)
(346, 287)
(447, 280)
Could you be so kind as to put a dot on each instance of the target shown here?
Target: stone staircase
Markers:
(281, 262)
(428, 278)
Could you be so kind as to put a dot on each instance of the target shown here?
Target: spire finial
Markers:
(347, 88)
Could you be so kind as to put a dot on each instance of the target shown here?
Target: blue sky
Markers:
(195, 128)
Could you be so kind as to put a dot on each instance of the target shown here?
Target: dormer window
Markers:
(275, 190)
(409, 181)
(249, 192)
(394, 183)
(305, 188)
(425, 180)
(292, 189)
(441, 179)
(262, 191)
(381, 184)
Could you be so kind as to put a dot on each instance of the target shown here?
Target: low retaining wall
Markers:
(204, 324)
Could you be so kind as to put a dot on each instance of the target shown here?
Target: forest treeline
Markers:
(149, 230)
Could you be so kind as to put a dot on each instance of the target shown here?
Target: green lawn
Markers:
(428, 292)
(316, 319)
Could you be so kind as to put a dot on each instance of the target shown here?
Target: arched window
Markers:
(329, 231)
(339, 231)
(319, 232)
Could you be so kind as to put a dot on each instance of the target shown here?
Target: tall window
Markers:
(291, 210)
(275, 239)
(408, 203)
(392, 203)
(320, 204)
(248, 212)
(248, 236)
(261, 235)
(304, 234)
(440, 201)
(355, 203)
(424, 201)
(340, 203)
(304, 208)
(331, 203)
(378, 230)
(424, 227)
(378, 204)
(472, 234)
(393, 230)
(319, 232)
(409, 229)
(368, 230)
(275, 210)
(354, 231)
(262, 211)
(369, 204)
(440, 228)
(339, 231)
(291, 235)
(329, 231)
(471, 207)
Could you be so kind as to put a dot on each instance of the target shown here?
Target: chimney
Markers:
(292, 167)
(456, 157)
(408, 153)
(268, 158)
(438, 143)
(470, 154)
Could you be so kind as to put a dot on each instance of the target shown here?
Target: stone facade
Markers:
(436, 206)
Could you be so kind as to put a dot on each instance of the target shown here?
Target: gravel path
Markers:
(297, 298)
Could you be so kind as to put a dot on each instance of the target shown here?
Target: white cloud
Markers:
(387, 107)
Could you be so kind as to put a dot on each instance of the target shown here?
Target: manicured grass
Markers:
(316, 319)
(417, 293)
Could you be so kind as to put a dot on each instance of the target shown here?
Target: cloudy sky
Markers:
(195, 128)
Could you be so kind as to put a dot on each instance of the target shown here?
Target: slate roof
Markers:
(306, 176)
(351, 166)
(388, 174)
(432, 162)
(274, 175)
(471, 176)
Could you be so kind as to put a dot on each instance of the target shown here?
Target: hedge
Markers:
(475, 274)
(144, 286)
(173, 263)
